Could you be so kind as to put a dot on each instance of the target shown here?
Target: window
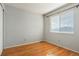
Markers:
(54, 20)
(62, 22)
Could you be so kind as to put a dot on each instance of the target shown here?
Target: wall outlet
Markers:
(59, 41)
(24, 39)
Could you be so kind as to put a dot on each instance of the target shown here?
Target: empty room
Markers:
(39, 29)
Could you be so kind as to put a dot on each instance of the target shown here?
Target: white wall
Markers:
(21, 27)
(1, 29)
(70, 41)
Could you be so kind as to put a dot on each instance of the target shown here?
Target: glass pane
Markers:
(54, 23)
(67, 21)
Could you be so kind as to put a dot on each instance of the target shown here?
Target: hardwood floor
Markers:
(38, 49)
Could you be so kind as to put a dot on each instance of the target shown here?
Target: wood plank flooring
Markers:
(38, 49)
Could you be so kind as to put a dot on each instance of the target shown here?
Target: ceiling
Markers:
(39, 8)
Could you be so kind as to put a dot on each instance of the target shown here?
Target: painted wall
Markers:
(67, 40)
(1, 29)
(21, 27)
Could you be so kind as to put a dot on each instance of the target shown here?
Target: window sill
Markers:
(62, 32)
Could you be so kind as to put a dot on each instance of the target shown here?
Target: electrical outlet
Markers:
(59, 41)
(24, 39)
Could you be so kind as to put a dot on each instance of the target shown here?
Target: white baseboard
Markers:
(0, 52)
(62, 46)
(23, 44)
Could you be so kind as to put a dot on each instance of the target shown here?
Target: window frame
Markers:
(60, 22)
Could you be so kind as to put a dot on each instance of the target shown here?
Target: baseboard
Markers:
(0, 52)
(62, 46)
(23, 44)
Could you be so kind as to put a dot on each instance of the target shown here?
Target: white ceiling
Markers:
(39, 8)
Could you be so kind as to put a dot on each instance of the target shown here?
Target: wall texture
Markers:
(21, 27)
(67, 40)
